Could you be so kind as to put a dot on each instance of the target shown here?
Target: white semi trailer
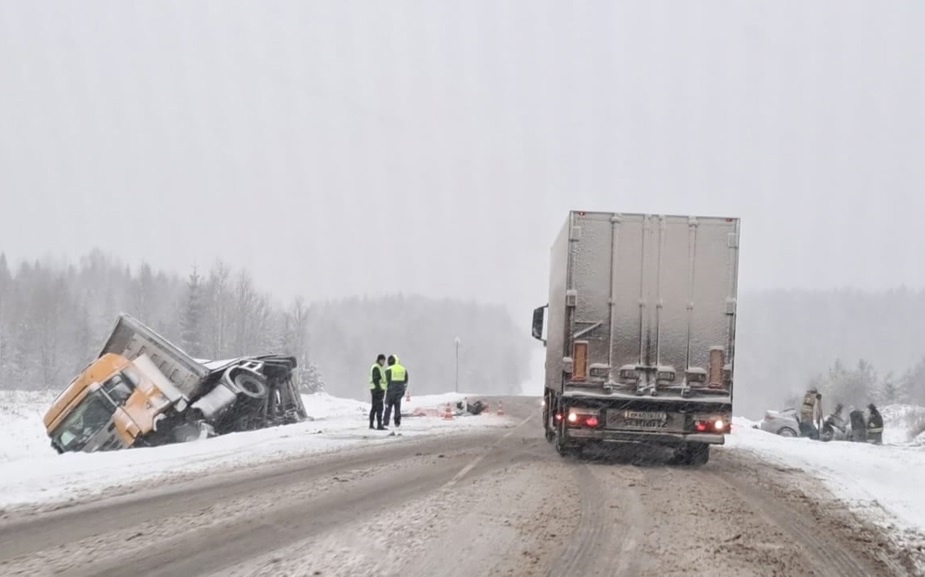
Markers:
(640, 332)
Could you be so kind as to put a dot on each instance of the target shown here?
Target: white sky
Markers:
(350, 147)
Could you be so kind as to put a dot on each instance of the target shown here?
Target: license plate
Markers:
(641, 420)
(645, 416)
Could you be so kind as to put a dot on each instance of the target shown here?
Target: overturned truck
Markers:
(143, 391)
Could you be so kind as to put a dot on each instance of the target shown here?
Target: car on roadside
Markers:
(784, 423)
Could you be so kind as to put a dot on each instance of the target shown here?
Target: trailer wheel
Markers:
(695, 454)
(564, 449)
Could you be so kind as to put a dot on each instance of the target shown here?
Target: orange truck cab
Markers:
(142, 390)
(112, 404)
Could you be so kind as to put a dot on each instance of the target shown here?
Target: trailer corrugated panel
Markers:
(651, 296)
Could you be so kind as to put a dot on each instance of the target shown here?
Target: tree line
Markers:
(855, 346)
(54, 317)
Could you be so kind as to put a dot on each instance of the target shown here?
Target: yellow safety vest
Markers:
(372, 381)
(399, 374)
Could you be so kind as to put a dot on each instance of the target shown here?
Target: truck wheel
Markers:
(694, 454)
(699, 455)
(563, 448)
(250, 386)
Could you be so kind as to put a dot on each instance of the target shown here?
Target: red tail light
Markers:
(583, 420)
(712, 425)
(558, 416)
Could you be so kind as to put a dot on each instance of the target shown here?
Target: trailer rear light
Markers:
(712, 425)
(581, 418)
(558, 416)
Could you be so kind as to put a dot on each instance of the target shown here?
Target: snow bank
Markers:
(23, 434)
(882, 483)
(32, 472)
(903, 424)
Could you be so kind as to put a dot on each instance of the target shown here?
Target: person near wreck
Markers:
(858, 426)
(874, 425)
(396, 378)
(811, 414)
(377, 390)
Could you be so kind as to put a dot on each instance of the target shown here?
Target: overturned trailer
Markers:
(142, 390)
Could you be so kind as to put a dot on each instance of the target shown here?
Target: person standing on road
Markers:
(396, 378)
(811, 414)
(377, 389)
(874, 425)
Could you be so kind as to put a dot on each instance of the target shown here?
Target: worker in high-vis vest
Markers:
(377, 388)
(396, 377)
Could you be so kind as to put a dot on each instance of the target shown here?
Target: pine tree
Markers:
(310, 380)
(891, 392)
(193, 312)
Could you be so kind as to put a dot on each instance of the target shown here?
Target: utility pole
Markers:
(457, 364)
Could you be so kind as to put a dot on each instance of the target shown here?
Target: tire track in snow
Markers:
(825, 554)
(599, 547)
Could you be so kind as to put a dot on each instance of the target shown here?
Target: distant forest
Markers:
(856, 347)
(55, 316)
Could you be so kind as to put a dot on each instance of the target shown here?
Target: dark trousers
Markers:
(808, 430)
(376, 410)
(393, 399)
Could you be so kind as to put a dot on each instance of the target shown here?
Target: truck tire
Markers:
(565, 449)
(250, 386)
(699, 455)
(693, 454)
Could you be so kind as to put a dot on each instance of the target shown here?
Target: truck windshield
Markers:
(119, 389)
(88, 418)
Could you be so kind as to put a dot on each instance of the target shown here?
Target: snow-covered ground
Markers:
(32, 472)
(881, 483)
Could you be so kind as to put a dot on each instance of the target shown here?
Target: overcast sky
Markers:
(435, 147)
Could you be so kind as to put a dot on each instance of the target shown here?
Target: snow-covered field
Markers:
(881, 483)
(32, 472)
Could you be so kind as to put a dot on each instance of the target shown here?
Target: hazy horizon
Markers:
(350, 148)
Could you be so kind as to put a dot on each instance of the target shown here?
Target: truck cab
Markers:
(111, 405)
(142, 390)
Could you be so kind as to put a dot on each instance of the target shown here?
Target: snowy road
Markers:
(497, 501)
